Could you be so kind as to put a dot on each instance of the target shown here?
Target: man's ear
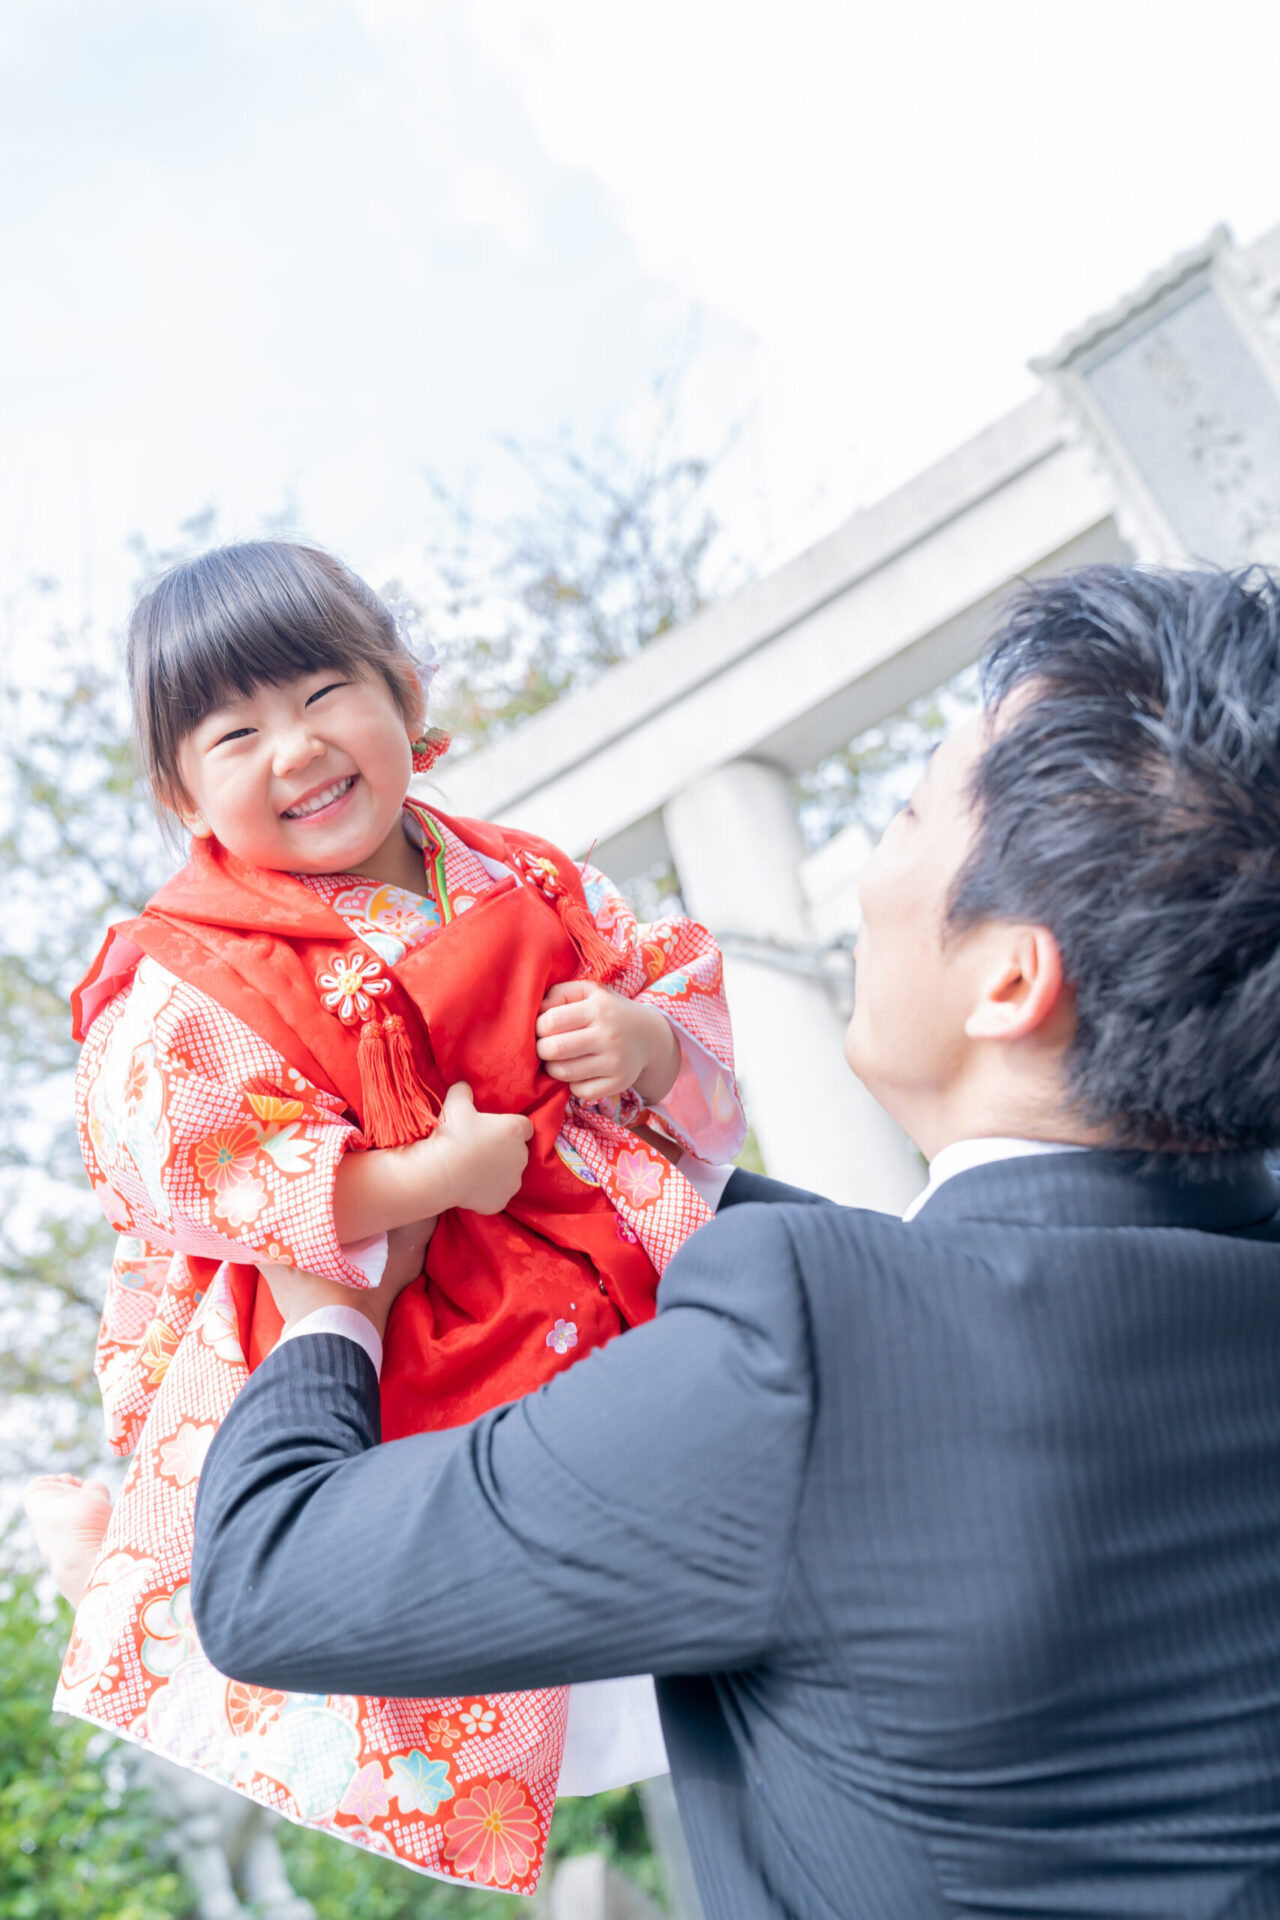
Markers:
(1021, 990)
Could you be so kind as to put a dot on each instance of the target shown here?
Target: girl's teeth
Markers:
(324, 799)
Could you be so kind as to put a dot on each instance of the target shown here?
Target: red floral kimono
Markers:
(241, 1036)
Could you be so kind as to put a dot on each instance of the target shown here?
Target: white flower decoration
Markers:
(562, 1336)
(347, 988)
(477, 1718)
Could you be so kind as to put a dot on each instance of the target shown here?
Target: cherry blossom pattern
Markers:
(442, 1733)
(182, 1457)
(492, 1836)
(241, 1202)
(170, 1633)
(225, 1158)
(347, 988)
(639, 1177)
(562, 1336)
(478, 1719)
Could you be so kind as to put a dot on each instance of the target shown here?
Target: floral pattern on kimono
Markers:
(206, 1147)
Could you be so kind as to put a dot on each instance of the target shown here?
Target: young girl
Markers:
(346, 1015)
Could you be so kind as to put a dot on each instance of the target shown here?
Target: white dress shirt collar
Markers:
(963, 1155)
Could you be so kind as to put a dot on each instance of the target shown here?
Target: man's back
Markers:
(1027, 1657)
(955, 1545)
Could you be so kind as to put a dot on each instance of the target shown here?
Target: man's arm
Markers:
(635, 1515)
(743, 1188)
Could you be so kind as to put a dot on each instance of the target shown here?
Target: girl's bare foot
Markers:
(69, 1518)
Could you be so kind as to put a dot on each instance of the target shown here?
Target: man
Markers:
(954, 1543)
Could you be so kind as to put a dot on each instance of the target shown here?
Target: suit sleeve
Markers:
(635, 1515)
(743, 1188)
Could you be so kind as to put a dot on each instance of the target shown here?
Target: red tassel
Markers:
(398, 1109)
(602, 961)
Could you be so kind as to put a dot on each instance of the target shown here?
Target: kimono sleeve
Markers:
(675, 965)
(200, 1139)
(152, 1295)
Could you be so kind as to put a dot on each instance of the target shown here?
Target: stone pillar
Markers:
(737, 848)
(585, 1887)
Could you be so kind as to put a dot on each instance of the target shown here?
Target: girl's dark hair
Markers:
(1131, 805)
(237, 618)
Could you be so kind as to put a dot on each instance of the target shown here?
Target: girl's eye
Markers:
(240, 733)
(320, 692)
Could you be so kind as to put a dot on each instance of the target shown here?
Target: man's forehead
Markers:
(952, 757)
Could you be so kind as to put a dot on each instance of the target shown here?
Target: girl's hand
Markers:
(481, 1156)
(602, 1043)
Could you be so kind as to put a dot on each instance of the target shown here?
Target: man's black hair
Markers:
(1129, 801)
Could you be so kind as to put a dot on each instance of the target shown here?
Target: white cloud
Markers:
(306, 249)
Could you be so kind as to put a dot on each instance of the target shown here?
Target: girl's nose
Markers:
(293, 750)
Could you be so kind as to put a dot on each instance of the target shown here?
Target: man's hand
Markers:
(297, 1293)
(602, 1043)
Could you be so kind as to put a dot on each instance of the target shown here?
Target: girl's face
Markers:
(306, 777)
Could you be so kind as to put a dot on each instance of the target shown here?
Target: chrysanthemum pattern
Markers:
(367, 1770)
(194, 1130)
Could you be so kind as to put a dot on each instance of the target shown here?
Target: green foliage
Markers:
(612, 1824)
(613, 551)
(73, 1844)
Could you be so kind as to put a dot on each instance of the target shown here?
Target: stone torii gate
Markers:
(1155, 435)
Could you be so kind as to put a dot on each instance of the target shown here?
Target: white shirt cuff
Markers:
(706, 1180)
(349, 1322)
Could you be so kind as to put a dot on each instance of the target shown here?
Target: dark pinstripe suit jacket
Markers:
(955, 1545)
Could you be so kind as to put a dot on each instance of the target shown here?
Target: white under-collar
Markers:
(963, 1155)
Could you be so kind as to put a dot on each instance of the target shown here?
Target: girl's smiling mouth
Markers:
(321, 799)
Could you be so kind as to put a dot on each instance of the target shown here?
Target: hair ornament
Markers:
(427, 750)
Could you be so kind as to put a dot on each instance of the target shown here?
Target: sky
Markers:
(291, 258)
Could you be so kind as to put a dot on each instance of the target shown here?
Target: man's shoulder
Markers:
(763, 1244)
